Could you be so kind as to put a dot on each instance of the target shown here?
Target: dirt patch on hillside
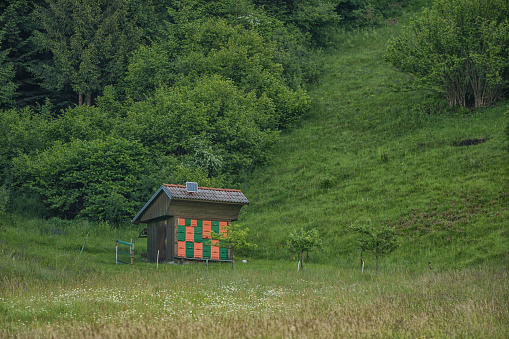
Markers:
(470, 142)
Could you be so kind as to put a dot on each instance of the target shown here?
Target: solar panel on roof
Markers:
(192, 186)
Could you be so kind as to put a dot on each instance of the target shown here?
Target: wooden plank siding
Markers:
(160, 237)
(204, 210)
(158, 208)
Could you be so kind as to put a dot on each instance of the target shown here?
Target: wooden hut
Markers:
(180, 218)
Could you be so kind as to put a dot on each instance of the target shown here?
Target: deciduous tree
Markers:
(302, 240)
(459, 48)
(379, 241)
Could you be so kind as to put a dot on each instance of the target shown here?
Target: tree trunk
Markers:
(80, 98)
(89, 98)
(302, 260)
(361, 260)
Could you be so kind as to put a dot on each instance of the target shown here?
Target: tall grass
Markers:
(262, 299)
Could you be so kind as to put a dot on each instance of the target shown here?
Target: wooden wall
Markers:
(163, 206)
(160, 237)
(204, 210)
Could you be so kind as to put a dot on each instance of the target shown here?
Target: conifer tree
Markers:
(89, 42)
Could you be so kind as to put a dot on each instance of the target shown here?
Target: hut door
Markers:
(162, 230)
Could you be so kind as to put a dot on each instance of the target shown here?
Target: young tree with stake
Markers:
(302, 240)
(379, 241)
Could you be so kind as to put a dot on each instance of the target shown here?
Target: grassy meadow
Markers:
(370, 151)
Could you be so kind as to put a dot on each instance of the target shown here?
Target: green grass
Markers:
(372, 151)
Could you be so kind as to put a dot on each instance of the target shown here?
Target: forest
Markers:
(102, 101)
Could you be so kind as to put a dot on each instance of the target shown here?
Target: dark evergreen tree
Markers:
(16, 26)
(89, 41)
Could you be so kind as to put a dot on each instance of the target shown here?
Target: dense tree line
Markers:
(101, 101)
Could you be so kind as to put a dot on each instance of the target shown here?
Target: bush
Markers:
(91, 179)
(459, 48)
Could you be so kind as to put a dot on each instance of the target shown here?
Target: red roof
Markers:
(207, 194)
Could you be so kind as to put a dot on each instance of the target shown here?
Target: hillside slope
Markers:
(372, 151)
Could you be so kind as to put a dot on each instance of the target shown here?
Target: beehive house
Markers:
(180, 218)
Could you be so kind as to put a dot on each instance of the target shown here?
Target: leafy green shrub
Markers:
(459, 48)
(205, 48)
(4, 199)
(237, 127)
(92, 179)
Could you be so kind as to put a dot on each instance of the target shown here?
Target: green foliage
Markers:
(95, 179)
(202, 48)
(211, 114)
(235, 238)
(316, 18)
(21, 132)
(302, 240)
(459, 48)
(4, 199)
(16, 26)
(379, 241)
(7, 86)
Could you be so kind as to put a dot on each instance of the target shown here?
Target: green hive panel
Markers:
(182, 229)
(223, 253)
(215, 226)
(199, 223)
(198, 237)
(206, 251)
(188, 222)
(181, 236)
(190, 249)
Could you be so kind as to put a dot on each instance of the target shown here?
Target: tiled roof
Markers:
(206, 194)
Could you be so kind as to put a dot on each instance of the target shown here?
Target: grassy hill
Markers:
(372, 151)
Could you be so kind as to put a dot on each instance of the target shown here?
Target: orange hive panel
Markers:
(190, 233)
(198, 250)
(182, 221)
(193, 222)
(181, 249)
(206, 229)
(222, 227)
(214, 255)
